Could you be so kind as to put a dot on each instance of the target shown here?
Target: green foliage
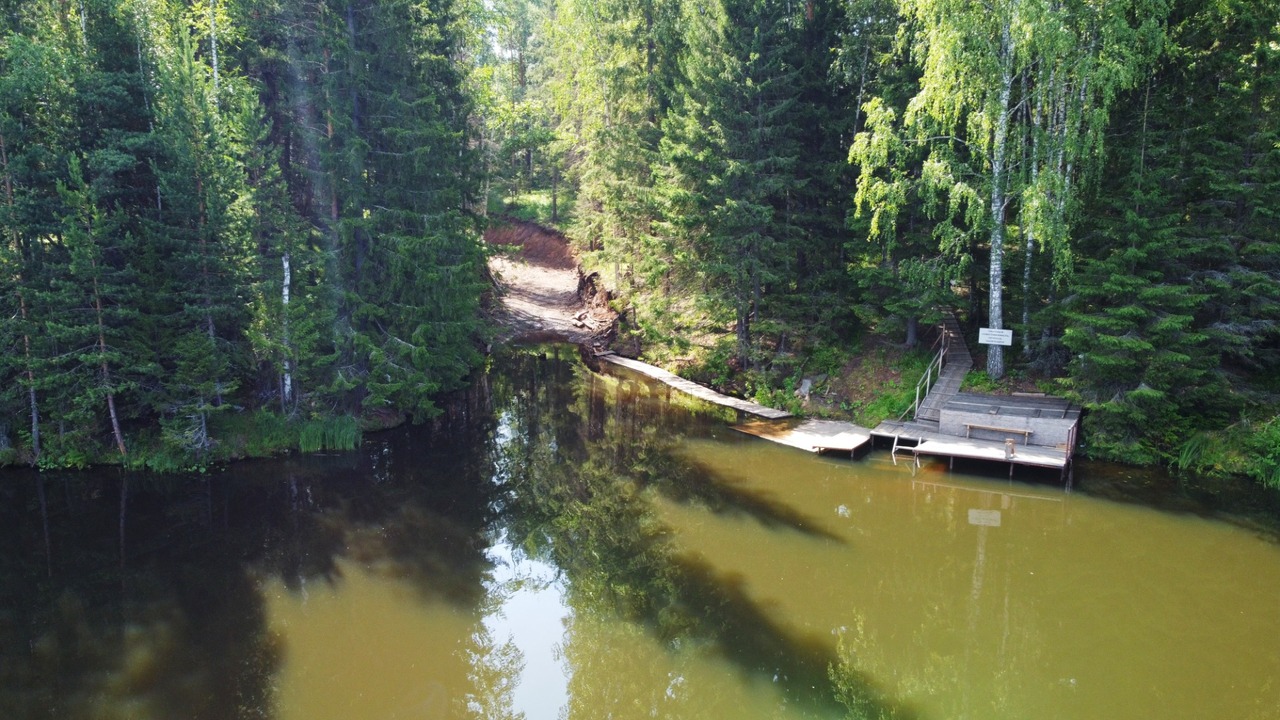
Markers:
(781, 398)
(261, 433)
(1249, 449)
(1264, 449)
(980, 382)
(267, 210)
(536, 206)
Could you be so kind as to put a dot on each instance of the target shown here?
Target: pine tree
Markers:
(97, 302)
(290, 303)
(614, 66)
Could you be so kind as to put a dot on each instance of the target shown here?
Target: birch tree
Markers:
(984, 63)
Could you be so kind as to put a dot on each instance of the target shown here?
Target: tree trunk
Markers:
(213, 51)
(1028, 259)
(999, 146)
(286, 393)
(106, 370)
(355, 90)
(22, 306)
(555, 177)
(31, 384)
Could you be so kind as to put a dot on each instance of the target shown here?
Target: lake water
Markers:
(563, 544)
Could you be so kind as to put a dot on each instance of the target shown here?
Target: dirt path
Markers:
(540, 288)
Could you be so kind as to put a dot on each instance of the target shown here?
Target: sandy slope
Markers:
(538, 285)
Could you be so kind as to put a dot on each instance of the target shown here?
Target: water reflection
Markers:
(563, 544)
(82, 637)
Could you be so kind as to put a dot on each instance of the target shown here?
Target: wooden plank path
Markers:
(694, 389)
(812, 435)
(957, 364)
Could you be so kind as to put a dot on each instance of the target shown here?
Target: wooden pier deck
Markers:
(691, 388)
(1035, 432)
(918, 440)
(812, 435)
(1031, 431)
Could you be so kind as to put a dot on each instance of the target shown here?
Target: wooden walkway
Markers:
(812, 435)
(694, 389)
(918, 439)
(931, 433)
(955, 366)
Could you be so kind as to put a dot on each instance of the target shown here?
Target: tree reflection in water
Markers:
(579, 461)
(564, 465)
(174, 625)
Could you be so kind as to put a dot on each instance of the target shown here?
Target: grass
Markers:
(533, 206)
(895, 395)
(336, 433)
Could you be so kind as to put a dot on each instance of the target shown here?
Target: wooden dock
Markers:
(813, 435)
(691, 388)
(1031, 431)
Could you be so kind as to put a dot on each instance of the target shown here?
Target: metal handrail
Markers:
(929, 377)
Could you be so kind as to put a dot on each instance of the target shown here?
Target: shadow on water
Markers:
(724, 499)
(1242, 503)
(576, 475)
(178, 632)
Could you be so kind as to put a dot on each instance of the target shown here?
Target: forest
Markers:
(267, 214)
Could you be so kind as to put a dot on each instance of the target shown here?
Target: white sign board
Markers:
(989, 518)
(987, 336)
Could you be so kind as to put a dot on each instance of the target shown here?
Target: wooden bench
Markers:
(1026, 434)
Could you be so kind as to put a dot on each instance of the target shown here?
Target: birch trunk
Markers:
(1037, 131)
(286, 394)
(213, 50)
(999, 147)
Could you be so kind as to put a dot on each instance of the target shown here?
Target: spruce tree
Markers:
(731, 146)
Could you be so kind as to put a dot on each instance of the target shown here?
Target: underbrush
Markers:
(894, 373)
(1249, 448)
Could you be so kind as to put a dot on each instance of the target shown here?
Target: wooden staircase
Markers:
(955, 362)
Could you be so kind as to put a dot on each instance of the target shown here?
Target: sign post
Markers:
(987, 336)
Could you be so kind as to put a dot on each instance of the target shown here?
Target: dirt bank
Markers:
(542, 295)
